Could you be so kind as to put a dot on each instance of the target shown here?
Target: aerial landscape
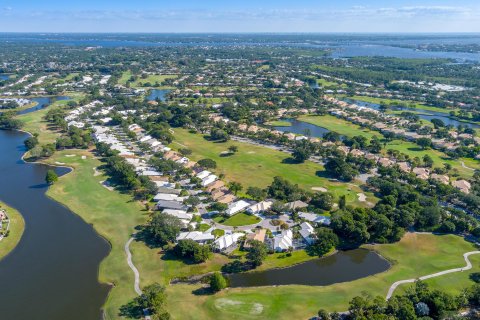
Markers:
(259, 160)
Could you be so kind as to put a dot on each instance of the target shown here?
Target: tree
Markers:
(342, 202)
(51, 177)
(427, 161)
(323, 201)
(256, 253)
(233, 149)
(31, 142)
(301, 154)
(340, 169)
(325, 240)
(219, 135)
(256, 193)
(164, 228)
(154, 299)
(323, 315)
(437, 123)
(185, 151)
(207, 163)
(217, 282)
(235, 187)
(191, 250)
(424, 143)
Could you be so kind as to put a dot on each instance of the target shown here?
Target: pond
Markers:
(158, 93)
(53, 272)
(424, 114)
(304, 128)
(4, 77)
(42, 102)
(341, 267)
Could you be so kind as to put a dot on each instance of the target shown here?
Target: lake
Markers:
(4, 77)
(53, 272)
(424, 114)
(300, 127)
(158, 93)
(341, 267)
(42, 102)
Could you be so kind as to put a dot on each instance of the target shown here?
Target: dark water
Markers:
(304, 128)
(157, 93)
(42, 102)
(53, 273)
(424, 114)
(341, 267)
(4, 76)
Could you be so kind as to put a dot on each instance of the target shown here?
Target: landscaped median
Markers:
(415, 255)
(16, 226)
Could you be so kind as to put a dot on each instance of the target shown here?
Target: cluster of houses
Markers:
(4, 223)
(73, 117)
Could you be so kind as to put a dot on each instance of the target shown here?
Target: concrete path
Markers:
(463, 165)
(441, 273)
(136, 285)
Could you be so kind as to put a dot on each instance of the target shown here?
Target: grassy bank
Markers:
(414, 256)
(256, 166)
(17, 226)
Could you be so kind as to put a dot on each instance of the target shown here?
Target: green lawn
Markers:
(152, 79)
(239, 219)
(414, 256)
(278, 123)
(418, 105)
(17, 226)
(114, 216)
(326, 83)
(411, 149)
(256, 166)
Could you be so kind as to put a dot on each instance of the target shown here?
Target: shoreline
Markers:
(16, 230)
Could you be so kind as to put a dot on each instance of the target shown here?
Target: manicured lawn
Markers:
(415, 255)
(114, 216)
(411, 149)
(152, 79)
(239, 219)
(279, 123)
(17, 225)
(418, 105)
(326, 83)
(256, 166)
(340, 126)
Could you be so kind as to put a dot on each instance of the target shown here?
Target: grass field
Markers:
(417, 105)
(256, 166)
(239, 219)
(411, 149)
(326, 83)
(278, 123)
(17, 226)
(114, 216)
(415, 255)
(139, 83)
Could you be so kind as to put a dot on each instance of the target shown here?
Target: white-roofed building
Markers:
(202, 175)
(236, 207)
(228, 240)
(260, 207)
(283, 241)
(306, 231)
(196, 236)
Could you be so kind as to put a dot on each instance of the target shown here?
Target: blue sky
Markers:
(239, 16)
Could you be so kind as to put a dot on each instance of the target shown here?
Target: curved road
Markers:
(136, 285)
(441, 273)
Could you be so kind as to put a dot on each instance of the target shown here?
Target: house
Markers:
(180, 214)
(165, 204)
(296, 205)
(260, 207)
(314, 218)
(306, 231)
(196, 236)
(202, 175)
(163, 189)
(283, 241)
(165, 196)
(217, 194)
(440, 178)
(227, 198)
(236, 207)
(215, 185)
(208, 180)
(259, 235)
(422, 173)
(227, 241)
(462, 185)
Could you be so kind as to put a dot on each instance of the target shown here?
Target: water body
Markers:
(42, 102)
(424, 114)
(157, 93)
(341, 267)
(53, 272)
(303, 128)
(4, 77)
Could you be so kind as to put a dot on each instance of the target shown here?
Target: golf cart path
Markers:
(136, 285)
(433, 275)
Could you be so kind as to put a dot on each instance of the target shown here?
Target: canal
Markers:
(53, 272)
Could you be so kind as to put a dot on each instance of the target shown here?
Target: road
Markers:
(441, 273)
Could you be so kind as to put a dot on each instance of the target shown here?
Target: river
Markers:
(341, 267)
(53, 272)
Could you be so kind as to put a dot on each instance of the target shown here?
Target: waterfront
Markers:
(55, 265)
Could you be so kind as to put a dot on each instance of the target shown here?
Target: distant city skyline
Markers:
(245, 16)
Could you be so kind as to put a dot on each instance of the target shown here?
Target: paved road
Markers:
(136, 285)
(441, 273)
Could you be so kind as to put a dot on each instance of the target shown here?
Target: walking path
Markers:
(463, 165)
(136, 285)
(441, 273)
